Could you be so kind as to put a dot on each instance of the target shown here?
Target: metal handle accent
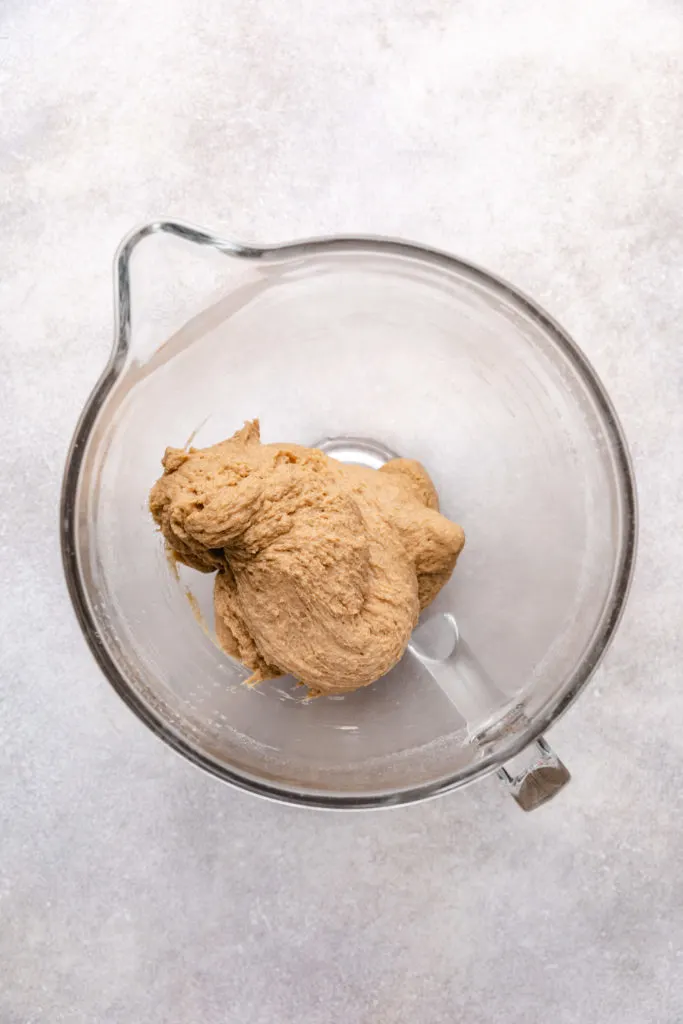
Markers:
(534, 776)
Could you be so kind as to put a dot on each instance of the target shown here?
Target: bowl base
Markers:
(357, 451)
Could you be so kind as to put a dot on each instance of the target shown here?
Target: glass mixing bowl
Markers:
(365, 347)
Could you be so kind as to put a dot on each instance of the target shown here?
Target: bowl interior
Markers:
(438, 362)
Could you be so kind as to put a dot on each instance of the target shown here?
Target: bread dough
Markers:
(323, 568)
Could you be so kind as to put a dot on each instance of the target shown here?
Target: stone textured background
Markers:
(541, 139)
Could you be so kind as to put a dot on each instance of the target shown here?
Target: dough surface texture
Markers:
(322, 568)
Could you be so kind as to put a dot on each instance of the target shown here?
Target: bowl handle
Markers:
(534, 776)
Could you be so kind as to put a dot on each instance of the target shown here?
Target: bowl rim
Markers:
(602, 634)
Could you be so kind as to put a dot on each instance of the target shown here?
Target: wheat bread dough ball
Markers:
(322, 568)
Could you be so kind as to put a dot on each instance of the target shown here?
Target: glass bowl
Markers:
(366, 347)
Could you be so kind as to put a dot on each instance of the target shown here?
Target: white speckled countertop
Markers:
(540, 139)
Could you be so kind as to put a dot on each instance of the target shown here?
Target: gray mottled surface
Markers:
(539, 138)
